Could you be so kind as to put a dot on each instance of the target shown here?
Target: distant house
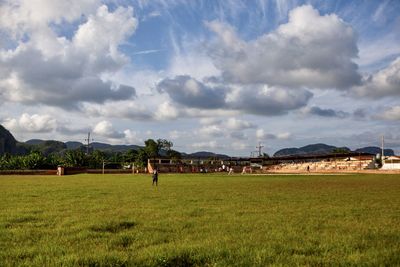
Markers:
(391, 163)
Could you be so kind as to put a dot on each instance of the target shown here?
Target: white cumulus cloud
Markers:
(309, 50)
(261, 134)
(35, 123)
(385, 82)
(55, 70)
(105, 129)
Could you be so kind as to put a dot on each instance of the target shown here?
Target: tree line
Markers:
(36, 159)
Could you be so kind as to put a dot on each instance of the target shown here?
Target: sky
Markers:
(221, 76)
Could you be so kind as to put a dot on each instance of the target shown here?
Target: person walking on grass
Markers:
(155, 177)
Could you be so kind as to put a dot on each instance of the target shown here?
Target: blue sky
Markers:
(220, 76)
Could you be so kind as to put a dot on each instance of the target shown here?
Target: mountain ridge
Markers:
(8, 144)
(323, 149)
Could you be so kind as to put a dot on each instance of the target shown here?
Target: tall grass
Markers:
(197, 220)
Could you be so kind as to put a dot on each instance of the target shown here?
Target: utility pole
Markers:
(259, 147)
(88, 143)
(383, 143)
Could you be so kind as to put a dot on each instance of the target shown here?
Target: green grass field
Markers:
(200, 220)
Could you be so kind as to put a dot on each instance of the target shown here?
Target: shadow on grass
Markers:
(176, 260)
(181, 260)
(18, 221)
(113, 227)
(123, 241)
(101, 261)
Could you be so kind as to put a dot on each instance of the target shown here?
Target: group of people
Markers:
(224, 168)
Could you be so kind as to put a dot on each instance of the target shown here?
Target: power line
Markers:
(88, 143)
(259, 147)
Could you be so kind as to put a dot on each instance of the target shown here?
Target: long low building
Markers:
(391, 163)
(297, 163)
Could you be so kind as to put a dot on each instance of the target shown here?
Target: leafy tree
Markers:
(164, 144)
(52, 161)
(378, 161)
(154, 148)
(151, 148)
(173, 154)
(117, 157)
(96, 159)
(130, 155)
(141, 158)
(75, 158)
(34, 160)
(4, 162)
(340, 150)
(14, 163)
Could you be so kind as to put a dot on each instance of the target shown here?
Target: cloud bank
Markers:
(44, 68)
(310, 50)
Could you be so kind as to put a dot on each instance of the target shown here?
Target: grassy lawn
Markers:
(197, 220)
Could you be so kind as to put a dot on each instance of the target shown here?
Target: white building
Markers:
(391, 163)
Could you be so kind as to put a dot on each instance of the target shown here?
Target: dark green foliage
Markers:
(173, 154)
(50, 146)
(23, 149)
(314, 149)
(155, 149)
(52, 161)
(33, 161)
(96, 159)
(46, 147)
(141, 159)
(206, 155)
(164, 144)
(151, 148)
(265, 155)
(8, 144)
(75, 158)
(130, 155)
(341, 150)
(375, 150)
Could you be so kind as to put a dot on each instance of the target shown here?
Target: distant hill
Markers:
(35, 142)
(46, 147)
(8, 144)
(314, 149)
(73, 144)
(51, 146)
(321, 149)
(375, 150)
(205, 154)
(113, 148)
(102, 146)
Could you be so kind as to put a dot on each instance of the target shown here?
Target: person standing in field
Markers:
(155, 177)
